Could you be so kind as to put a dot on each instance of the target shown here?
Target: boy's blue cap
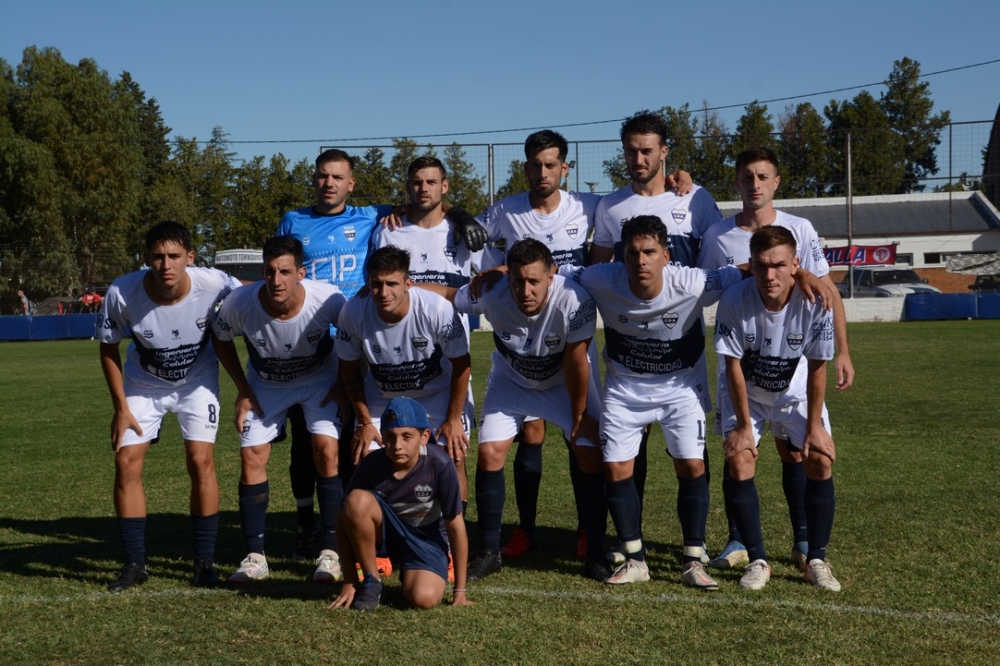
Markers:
(405, 413)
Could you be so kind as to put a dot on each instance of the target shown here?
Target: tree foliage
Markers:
(877, 153)
(805, 159)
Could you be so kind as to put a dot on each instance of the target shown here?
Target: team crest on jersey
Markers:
(260, 342)
(505, 336)
(147, 334)
(350, 233)
(423, 492)
(679, 215)
(572, 230)
(670, 319)
(450, 253)
(202, 323)
(552, 341)
(314, 336)
(794, 340)
(749, 338)
(419, 343)
(376, 348)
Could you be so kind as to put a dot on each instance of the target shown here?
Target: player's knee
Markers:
(690, 468)
(589, 458)
(533, 432)
(493, 455)
(742, 466)
(818, 466)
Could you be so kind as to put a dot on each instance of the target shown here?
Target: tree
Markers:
(805, 158)
(683, 147)
(517, 180)
(877, 154)
(710, 167)
(465, 189)
(908, 105)
(262, 194)
(373, 181)
(754, 130)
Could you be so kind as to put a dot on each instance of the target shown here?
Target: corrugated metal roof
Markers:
(892, 215)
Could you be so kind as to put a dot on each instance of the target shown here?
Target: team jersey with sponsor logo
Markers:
(426, 497)
(170, 343)
(770, 344)
(652, 348)
(564, 231)
(529, 350)
(725, 244)
(410, 357)
(434, 255)
(336, 246)
(291, 352)
(686, 218)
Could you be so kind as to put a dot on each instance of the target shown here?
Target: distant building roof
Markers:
(892, 215)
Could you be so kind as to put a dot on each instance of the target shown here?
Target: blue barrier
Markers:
(48, 327)
(923, 307)
(989, 306)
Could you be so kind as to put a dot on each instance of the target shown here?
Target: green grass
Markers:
(915, 541)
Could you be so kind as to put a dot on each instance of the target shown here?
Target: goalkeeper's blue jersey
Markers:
(336, 246)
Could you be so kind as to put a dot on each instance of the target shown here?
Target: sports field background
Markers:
(915, 543)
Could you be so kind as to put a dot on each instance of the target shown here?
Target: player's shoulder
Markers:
(792, 222)
(322, 290)
(509, 205)
(719, 229)
(614, 198)
(588, 200)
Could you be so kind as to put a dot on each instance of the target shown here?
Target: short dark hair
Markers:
(528, 251)
(334, 155)
(388, 259)
(543, 140)
(770, 237)
(169, 232)
(645, 122)
(758, 154)
(279, 246)
(425, 162)
(645, 225)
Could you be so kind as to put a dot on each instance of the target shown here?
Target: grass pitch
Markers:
(914, 544)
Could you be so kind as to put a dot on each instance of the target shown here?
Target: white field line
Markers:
(597, 597)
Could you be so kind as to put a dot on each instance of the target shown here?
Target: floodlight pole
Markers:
(850, 219)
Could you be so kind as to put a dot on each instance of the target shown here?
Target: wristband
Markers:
(458, 589)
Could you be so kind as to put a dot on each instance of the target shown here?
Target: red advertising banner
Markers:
(861, 255)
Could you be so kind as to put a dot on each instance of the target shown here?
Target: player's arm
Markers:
(483, 281)
(813, 286)
(741, 438)
(842, 361)
(122, 420)
(441, 290)
(576, 374)
(452, 431)
(245, 398)
(459, 541)
(680, 182)
(365, 431)
(818, 440)
(600, 255)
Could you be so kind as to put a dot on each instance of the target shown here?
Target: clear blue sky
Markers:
(339, 71)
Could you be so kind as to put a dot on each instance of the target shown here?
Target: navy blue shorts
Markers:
(409, 547)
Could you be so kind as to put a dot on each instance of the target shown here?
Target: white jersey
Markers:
(170, 343)
(770, 344)
(686, 218)
(564, 231)
(291, 352)
(529, 350)
(410, 357)
(434, 256)
(725, 244)
(653, 348)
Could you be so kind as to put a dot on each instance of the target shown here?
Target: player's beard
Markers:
(653, 173)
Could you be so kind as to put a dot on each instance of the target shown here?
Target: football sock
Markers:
(692, 509)
(593, 509)
(302, 467)
(206, 529)
(639, 469)
(820, 504)
(253, 510)
(527, 480)
(305, 514)
(793, 482)
(624, 506)
(133, 534)
(574, 477)
(491, 494)
(330, 493)
(727, 500)
(746, 507)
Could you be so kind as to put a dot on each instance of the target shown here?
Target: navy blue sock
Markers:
(746, 507)
(727, 500)
(793, 482)
(639, 468)
(133, 534)
(302, 468)
(592, 507)
(820, 503)
(491, 493)
(253, 509)
(527, 480)
(692, 509)
(625, 507)
(206, 530)
(574, 478)
(330, 493)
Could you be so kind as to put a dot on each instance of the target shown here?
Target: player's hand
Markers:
(680, 182)
(845, 370)
(467, 229)
(818, 441)
(364, 435)
(245, 403)
(813, 286)
(452, 435)
(739, 440)
(120, 422)
(346, 596)
(586, 428)
(482, 282)
(394, 220)
(460, 599)
(335, 394)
